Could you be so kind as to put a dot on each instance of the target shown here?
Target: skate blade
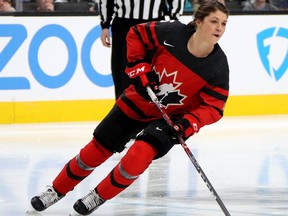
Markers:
(74, 213)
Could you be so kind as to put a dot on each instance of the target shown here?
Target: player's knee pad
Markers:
(92, 155)
(154, 135)
(137, 159)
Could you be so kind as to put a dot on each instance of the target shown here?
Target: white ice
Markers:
(245, 159)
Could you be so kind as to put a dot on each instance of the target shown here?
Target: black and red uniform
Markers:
(191, 88)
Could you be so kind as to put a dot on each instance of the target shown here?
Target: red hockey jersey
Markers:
(195, 88)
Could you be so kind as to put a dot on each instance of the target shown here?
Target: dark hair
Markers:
(207, 7)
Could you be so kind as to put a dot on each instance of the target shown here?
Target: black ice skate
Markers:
(87, 204)
(45, 199)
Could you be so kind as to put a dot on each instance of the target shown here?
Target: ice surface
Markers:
(245, 159)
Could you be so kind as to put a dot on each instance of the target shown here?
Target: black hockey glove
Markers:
(172, 133)
(181, 128)
(141, 76)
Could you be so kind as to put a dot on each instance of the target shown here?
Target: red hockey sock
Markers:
(78, 168)
(134, 163)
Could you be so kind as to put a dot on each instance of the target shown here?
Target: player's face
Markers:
(213, 26)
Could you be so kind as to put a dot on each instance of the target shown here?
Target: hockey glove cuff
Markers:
(187, 128)
(141, 76)
(135, 69)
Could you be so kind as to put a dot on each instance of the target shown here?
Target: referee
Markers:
(120, 15)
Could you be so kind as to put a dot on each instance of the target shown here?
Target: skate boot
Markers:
(45, 199)
(87, 204)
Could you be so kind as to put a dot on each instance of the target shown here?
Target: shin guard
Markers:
(78, 168)
(134, 163)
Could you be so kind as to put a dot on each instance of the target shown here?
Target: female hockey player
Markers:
(190, 75)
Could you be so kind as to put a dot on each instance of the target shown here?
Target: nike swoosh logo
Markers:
(167, 44)
(157, 128)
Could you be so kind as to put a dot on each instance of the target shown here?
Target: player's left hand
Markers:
(173, 133)
(181, 128)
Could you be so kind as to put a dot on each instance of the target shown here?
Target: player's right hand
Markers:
(141, 76)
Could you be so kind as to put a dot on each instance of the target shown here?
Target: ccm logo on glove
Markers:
(137, 70)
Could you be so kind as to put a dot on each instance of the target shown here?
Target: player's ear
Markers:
(197, 22)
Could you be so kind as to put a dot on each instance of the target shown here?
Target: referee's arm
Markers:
(175, 8)
(106, 11)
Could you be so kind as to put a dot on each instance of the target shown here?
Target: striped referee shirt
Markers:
(139, 9)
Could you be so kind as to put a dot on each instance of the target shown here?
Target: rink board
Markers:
(55, 69)
(95, 110)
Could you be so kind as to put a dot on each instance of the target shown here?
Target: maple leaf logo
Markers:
(169, 94)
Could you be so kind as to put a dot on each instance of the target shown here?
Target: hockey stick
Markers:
(187, 150)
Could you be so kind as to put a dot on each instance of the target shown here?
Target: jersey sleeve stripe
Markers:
(215, 94)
